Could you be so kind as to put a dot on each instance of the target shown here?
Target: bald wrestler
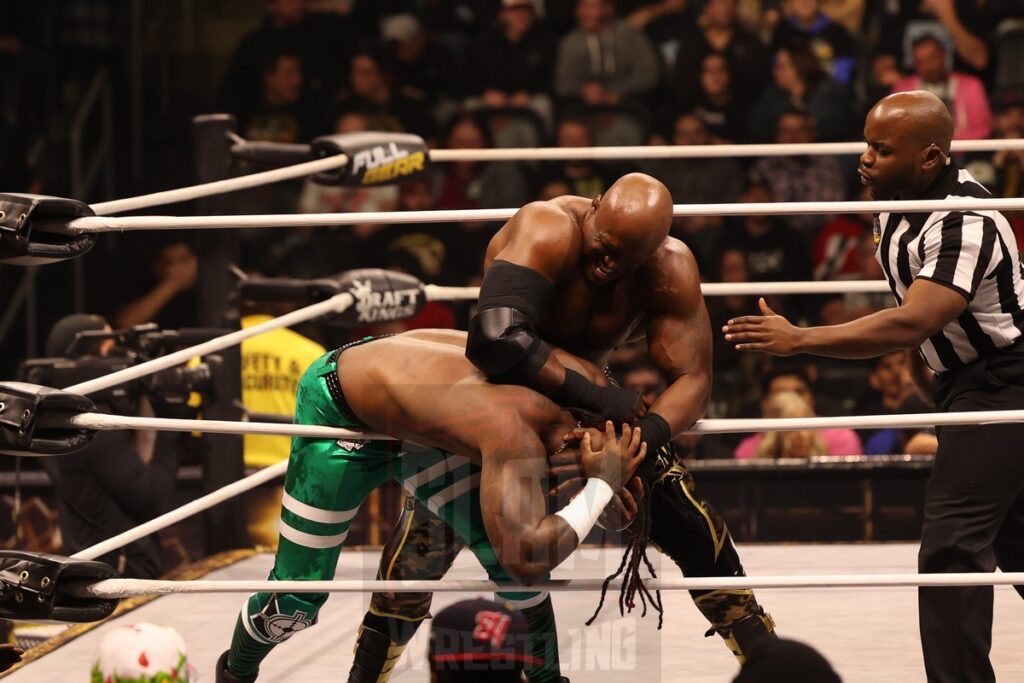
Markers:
(486, 483)
(587, 275)
(956, 277)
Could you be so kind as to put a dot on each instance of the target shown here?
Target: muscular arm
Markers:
(679, 341)
(926, 309)
(529, 542)
(503, 339)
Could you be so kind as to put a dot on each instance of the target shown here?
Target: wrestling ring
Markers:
(865, 623)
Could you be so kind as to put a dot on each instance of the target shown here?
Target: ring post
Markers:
(222, 457)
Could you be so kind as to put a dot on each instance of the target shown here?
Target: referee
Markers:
(957, 282)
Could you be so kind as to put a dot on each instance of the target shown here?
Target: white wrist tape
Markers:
(582, 511)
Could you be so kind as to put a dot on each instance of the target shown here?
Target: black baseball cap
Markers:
(480, 635)
(785, 661)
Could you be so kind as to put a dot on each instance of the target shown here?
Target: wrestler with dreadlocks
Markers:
(587, 275)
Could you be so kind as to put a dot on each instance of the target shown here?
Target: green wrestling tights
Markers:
(326, 483)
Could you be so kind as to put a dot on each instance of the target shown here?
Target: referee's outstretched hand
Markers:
(768, 332)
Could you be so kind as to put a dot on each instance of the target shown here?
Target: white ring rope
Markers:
(174, 516)
(123, 588)
(522, 154)
(103, 422)
(720, 289)
(336, 304)
(244, 182)
(95, 224)
(689, 151)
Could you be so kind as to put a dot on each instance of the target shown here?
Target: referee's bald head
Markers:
(918, 114)
(908, 136)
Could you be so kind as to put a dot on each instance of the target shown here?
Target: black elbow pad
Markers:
(503, 344)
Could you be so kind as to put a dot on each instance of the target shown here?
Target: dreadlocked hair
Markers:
(635, 554)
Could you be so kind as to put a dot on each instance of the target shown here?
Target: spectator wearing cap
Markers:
(479, 640)
(806, 26)
(604, 60)
(512, 63)
(422, 66)
(963, 94)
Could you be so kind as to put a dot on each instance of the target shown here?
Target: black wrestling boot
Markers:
(748, 634)
(225, 676)
(375, 656)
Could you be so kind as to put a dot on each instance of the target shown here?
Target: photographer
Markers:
(121, 479)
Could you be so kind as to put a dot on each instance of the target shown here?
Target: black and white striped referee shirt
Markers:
(972, 252)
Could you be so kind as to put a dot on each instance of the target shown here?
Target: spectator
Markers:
(718, 32)
(963, 94)
(805, 26)
(863, 266)
(171, 301)
(722, 110)
(730, 266)
(120, 480)
(805, 178)
(584, 178)
(422, 66)
(372, 94)
(786, 660)
(848, 13)
(801, 84)
(794, 380)
(283, 113)
(802, 443)
(837, 247)
(659, 19)
(437, 253)
(710, 181)
(1003, 172)
(965, 27)
(774, 251)
(272, 364)
(317, 198)
(476, 185)
(890, 387)
(512, 65)
(604, 60)
(320, 41)
(479, 640)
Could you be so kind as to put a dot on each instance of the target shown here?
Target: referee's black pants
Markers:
(973, 517)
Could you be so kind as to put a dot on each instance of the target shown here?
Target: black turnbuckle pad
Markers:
(34, 420)
(34, 229)
(380, 296)
(301, 292)
(373, 158)
(38, 586)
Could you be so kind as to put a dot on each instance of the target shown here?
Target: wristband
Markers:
(654, 431)
(577, 392)
(582, 511)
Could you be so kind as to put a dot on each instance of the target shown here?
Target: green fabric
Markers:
(327, 481)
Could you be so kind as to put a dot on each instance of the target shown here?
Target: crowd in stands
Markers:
(579, 73)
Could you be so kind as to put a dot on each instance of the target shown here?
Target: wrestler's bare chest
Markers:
(591, 321)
